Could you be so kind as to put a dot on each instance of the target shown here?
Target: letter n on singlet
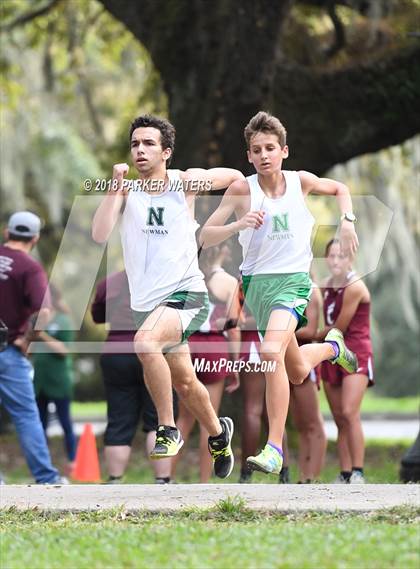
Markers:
(281, 222)
(155, 216)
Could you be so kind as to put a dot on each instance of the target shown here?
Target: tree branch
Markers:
(336, 116)
(29, 16)
(340, 34)
(361, 6)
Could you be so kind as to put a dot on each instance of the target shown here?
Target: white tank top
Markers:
(283, 243)
(159, 246)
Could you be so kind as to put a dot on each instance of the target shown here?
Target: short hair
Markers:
(330, 243)
(264, 122)
(23, 238)
(166, 129)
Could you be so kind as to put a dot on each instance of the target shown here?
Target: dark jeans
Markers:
(62, 407)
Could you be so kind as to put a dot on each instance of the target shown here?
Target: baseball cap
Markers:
(24, 223)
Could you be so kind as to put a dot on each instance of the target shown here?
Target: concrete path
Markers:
(161, 498)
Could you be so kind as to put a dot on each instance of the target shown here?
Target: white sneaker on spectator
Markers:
(60, 480)
(357, 478)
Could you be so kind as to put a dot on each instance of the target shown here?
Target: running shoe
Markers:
(220, 448)
(58, 481)
(160, 480)
(168, 442)
(246, 476)
(284, 476)
(356, 478)
(269, 461)
(341, 480)
(346, 358)
(114, 480)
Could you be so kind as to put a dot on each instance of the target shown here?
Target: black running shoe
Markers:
(114, 480)
(246, 476)
(221, 450)
(284, 477)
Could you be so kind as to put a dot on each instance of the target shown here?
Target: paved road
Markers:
(263, 497)
(393, 429)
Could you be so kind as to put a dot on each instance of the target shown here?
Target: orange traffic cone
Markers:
(86, 467)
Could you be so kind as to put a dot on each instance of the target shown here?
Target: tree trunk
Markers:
(221, 62)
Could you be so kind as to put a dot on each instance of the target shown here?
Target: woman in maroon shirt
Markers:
(347, 307)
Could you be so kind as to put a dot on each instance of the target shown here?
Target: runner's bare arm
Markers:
(217, 178)
(311, 184)
(107, 214)
(214, 231)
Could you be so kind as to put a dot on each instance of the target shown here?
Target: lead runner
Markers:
(168, 295)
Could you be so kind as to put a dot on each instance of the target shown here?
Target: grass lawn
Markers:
(382, 462)
(228, 536)
(372, 404)
(88, 409)
(381, 465)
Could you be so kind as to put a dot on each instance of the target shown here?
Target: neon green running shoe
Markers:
(346, 358)
(168, 442)
(269, 461)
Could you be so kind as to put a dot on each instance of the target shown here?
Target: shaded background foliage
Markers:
(343, 76)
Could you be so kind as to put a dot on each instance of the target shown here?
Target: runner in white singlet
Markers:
(274, 227)
(168, 294)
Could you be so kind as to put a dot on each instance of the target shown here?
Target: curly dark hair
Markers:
(166, 129)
